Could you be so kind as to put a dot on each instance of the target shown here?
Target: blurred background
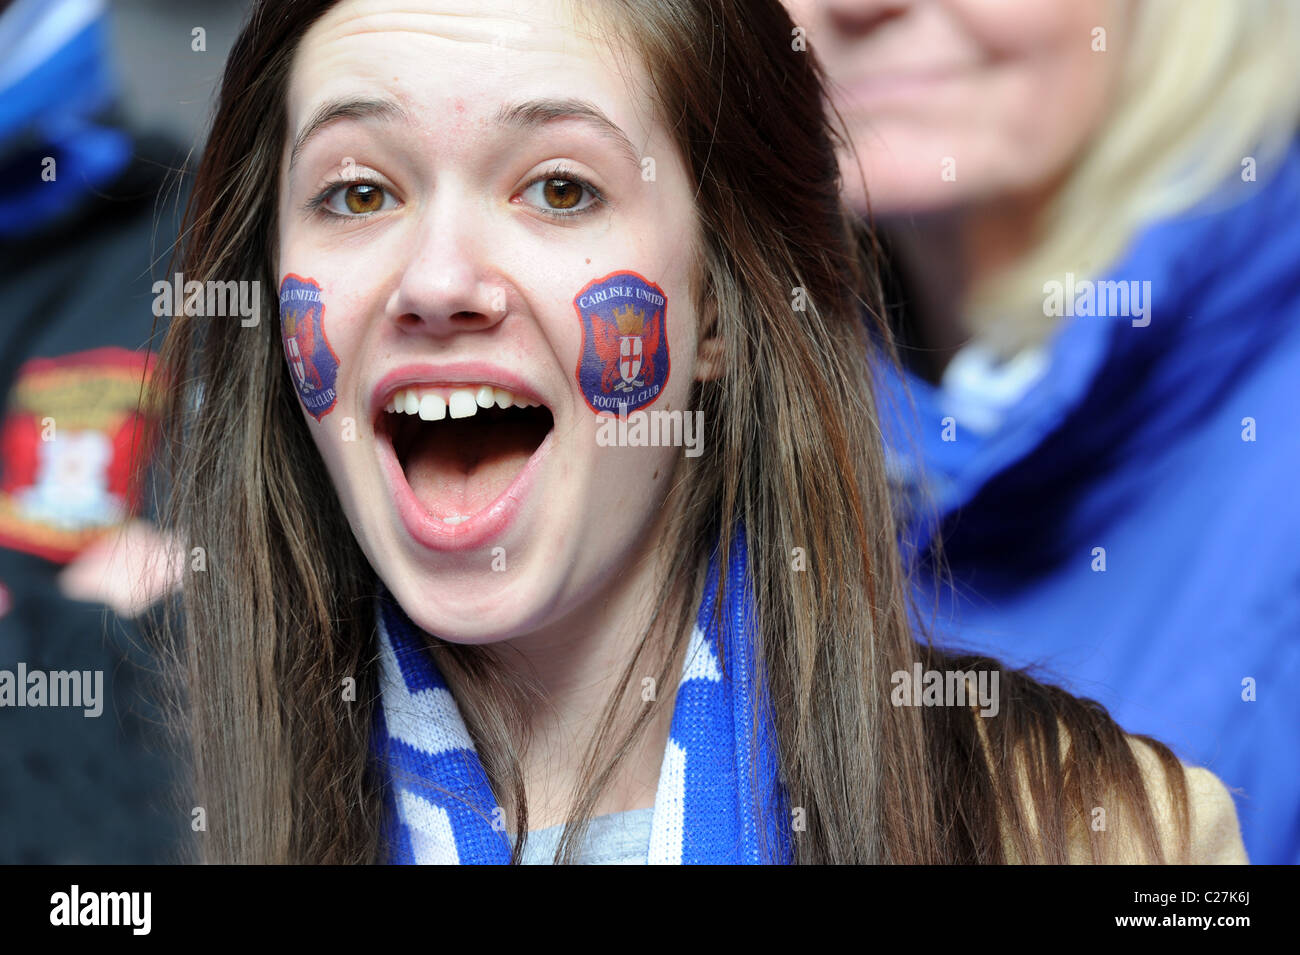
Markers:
(1090, 214)
(165, 84)
(99, 105)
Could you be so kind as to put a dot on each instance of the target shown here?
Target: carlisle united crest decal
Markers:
(312, 362)
(623, 365)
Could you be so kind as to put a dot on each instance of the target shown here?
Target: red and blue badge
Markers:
(312, 362)
(74, 435)
(623, 365)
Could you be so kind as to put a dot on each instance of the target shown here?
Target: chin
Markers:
(897, 190)
(475, 608)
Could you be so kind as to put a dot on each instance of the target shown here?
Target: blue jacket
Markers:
(1135, 440)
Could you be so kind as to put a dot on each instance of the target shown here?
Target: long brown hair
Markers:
(283, 614)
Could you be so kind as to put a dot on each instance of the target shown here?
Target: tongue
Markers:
(458, 468)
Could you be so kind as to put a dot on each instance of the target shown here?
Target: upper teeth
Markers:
(433, 404)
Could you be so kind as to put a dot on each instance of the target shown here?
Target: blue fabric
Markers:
(719, 800)
(1133, 442)
(50, 111)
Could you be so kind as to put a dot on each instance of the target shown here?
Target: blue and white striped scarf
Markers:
(439, 804)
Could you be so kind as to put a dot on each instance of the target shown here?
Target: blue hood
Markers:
(55, 84)
(1118, 529)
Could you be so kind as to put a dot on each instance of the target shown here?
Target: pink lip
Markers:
(491, 522)
(452, 373)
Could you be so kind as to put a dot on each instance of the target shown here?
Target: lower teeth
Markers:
(458, 519)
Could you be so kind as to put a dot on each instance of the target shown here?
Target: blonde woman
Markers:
(1093, 210)
(451, 610)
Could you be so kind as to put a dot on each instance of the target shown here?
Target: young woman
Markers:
(465, 577)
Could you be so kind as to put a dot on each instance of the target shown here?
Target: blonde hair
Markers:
(1207, 85)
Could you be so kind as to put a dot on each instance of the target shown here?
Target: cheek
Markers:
(322, 344)
(313, 362)
(1052, 65)
(1003, 28)
(1014, 125)
(634, 376)
(624, 359)
(1050, 109)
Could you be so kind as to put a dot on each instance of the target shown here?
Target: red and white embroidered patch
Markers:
(67, 444)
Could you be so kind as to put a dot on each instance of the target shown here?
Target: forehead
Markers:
(452, 63)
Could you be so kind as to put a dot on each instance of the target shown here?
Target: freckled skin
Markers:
(415, 281)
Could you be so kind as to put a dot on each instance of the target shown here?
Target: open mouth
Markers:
(461, 447)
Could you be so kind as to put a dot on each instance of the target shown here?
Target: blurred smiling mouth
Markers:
(894, 86)
(460, 458)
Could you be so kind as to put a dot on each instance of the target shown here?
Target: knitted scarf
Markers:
(718, 801)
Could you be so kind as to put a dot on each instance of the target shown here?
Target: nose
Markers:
(448, 286)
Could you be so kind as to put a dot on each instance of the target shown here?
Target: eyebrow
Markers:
(531, 114)
(336, 110)
(538, 112)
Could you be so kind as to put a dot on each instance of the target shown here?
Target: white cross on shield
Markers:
(629, 357)
(295, 361)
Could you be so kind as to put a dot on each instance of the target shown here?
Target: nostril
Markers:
(456, 320)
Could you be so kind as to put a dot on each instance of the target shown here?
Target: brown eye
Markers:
(562, 193)
(356, 200)
(362, 197)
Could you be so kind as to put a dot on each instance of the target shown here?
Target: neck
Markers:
(577, 663)
(944, 255)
